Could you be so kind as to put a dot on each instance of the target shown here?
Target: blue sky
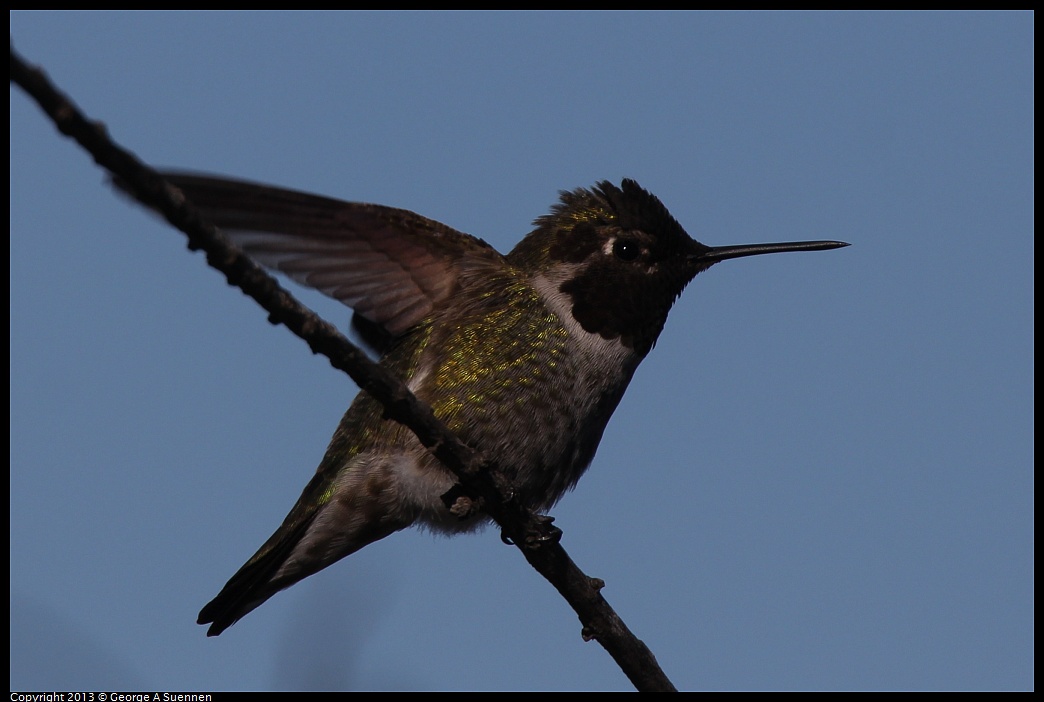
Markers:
(821, 477)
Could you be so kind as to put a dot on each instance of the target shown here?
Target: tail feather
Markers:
(298, 549)
(254, 583)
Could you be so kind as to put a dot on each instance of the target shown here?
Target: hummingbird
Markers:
(524, 356)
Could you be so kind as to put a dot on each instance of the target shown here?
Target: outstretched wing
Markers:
(390, 265)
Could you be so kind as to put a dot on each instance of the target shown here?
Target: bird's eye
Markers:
(626, 250)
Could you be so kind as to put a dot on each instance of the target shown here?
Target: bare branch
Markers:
(531, 533)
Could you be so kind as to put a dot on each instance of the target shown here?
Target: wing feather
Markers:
(391, 266)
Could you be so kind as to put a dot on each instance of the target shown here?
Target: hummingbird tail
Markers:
(253, 584)
(293, 552)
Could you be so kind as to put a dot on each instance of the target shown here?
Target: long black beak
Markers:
(713, 254)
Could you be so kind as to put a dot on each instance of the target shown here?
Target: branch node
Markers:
(461, 503)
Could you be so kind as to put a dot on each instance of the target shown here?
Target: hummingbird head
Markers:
(618, 260)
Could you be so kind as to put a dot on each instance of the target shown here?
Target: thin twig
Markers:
(477, 474)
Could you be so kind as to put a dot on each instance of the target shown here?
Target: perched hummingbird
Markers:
(525, 356)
